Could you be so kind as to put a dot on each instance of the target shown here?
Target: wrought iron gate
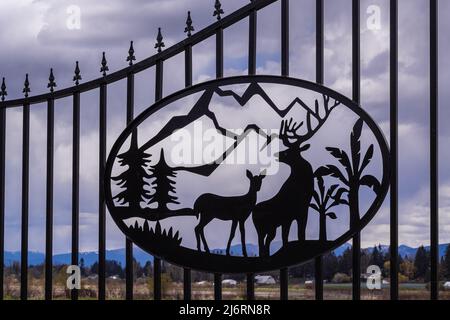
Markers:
(250, 12)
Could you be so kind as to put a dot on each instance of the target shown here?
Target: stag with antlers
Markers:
(292, 202)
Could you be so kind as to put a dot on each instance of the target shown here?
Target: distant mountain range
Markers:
(36, 258)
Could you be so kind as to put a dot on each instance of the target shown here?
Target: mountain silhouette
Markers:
(201, 109)
(90, 257)
(255, 89)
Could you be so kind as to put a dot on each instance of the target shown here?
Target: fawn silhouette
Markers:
(237, 209)
(293, 200)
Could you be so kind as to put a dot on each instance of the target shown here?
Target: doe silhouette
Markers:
(237, 209)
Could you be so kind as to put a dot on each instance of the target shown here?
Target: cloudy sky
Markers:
(35, 37)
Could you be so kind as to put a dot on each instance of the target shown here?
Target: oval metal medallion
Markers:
(247, 174)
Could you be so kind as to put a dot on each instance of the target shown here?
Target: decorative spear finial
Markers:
(131, 56)
(104, 67)
(77, 76)
(159, 41)
(51, 81)
(219, 10)
(3, 91)
(26, 88)
(189, 28)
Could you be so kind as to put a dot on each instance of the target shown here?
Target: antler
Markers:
(288, 131)
(310, 131)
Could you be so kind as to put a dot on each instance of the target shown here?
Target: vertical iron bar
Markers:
(101, 205)
(285, 37)
(219, 53)
(434, 140)
(219, 74)
(251, 71)
(187, 286)
(49, 200)
(320, 46)
(129, 269)
(318, 264)
(25, 195)
(250, 286)
(2, 195)
(356, 48)
(217, 286)
(284, 292)
(159, 80)
(394, 148)
(157, 261)
(128, 243)
(252, 42)
(156, 278)
(188, 66)
(75, 183)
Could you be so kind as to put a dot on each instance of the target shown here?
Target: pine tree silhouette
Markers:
(133, 180)
(163, 183)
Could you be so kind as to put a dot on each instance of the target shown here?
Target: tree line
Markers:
(339, 268)
(336, 268)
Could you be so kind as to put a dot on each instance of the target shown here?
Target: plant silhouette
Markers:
(353, 175)
(133, 180)
(163, 184)
(168, 239)
(323, 202)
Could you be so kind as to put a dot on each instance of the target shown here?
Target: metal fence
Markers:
(216, 29)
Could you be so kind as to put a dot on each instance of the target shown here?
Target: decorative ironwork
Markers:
(159, 41)
(3, 92)
(104, 67)
(131, 56)
(51, 81)
(328, 207)
(189, 28)
(26, 87)
(147, 189)
(218, 11)
(77, 76)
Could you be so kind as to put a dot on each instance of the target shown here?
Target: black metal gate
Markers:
(249, 12)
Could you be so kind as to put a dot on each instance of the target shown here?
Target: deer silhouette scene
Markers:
(325, 179)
